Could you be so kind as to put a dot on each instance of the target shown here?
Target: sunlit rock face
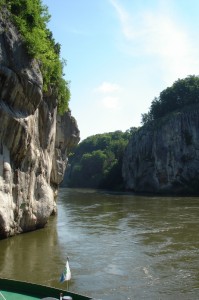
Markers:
(32, 160)
(165, 158)
(67, 136)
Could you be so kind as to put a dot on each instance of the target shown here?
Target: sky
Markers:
(121, 54)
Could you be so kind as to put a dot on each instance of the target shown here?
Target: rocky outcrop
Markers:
(33, 142)
(164, 158)
(67, 137)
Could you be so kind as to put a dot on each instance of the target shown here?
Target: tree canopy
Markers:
(97, 161)
(183, 92)
(31, 18)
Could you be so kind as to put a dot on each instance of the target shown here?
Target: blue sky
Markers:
(121, 54)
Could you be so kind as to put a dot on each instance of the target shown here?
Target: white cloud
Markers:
(124, 18)
(108, 87)
(111, 95)
(158, 35)
(111, 102)
(168, 42)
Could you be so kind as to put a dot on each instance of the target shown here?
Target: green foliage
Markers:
(31, 18)
(182, 93)
(97, 161)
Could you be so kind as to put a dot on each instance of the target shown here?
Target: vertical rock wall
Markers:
(32, 162)
(165, 158)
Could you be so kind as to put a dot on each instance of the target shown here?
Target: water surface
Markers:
(120, 246)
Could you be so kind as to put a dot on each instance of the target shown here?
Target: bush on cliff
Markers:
(31, 18)
(182, 93)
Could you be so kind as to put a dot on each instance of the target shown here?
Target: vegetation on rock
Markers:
(31, 18)
(97, 161)
(182, 93)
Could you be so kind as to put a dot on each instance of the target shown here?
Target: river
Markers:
(120, 246)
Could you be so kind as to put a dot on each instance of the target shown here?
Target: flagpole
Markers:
(67, 285)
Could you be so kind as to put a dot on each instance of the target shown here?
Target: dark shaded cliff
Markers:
(164, 158)
(33, 141)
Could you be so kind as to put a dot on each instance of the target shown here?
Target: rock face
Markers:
(165, 159)
(33, 142)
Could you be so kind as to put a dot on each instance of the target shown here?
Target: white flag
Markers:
(66, 275)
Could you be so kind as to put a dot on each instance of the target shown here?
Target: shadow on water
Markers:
(31, 256)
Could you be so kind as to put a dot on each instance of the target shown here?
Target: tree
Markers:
(183, 92)
(97, 161)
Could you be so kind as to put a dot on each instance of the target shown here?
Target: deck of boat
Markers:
(19, 290)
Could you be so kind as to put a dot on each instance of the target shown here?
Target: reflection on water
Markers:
(120, 246)
(29, 256)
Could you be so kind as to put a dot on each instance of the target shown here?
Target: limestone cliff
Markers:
(33, 140)
(165, 158)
